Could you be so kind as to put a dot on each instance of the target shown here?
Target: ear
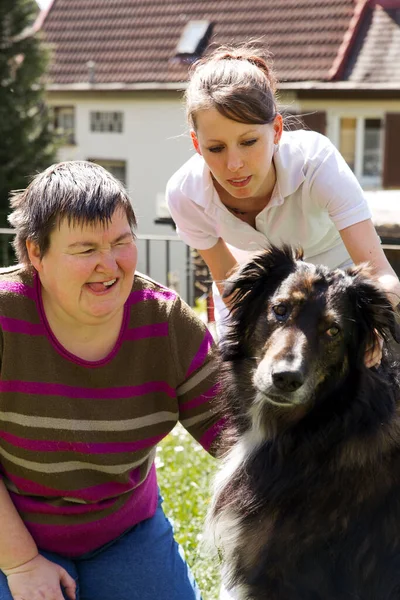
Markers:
(256, 273)
(374, 310)
(34, 254)
(278, 128)
(195, 141)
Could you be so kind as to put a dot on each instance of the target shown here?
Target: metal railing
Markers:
(164, 258)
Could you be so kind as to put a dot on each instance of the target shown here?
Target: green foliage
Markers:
(26, 141)
(185, 472)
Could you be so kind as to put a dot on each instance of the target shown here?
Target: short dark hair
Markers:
(79, 191)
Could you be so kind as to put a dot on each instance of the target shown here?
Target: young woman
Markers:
(251, 183)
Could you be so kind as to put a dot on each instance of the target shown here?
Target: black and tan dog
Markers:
(307, 502)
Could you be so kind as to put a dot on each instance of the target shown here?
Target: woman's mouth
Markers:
(240, 181)
(101, 287)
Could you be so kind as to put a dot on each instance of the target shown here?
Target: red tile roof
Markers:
(134, 41)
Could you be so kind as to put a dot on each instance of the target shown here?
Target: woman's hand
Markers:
(373, 354)
(39, 579)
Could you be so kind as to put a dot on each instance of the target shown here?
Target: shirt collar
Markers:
(289, 165)
(197, 183)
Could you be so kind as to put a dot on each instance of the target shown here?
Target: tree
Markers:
(27, 143)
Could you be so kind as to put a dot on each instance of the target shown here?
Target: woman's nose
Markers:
(235, 161)
(107, 262)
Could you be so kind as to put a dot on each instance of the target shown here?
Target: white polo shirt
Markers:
(315, 196)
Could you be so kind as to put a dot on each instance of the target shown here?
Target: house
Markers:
(119, 69)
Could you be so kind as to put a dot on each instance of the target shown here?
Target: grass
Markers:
(185, 474)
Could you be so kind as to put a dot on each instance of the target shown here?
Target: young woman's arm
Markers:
(220, 261)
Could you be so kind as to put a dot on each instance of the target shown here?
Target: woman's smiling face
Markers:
(239, 155)
(88, 271)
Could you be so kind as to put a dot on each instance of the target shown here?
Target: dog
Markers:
(306, 504)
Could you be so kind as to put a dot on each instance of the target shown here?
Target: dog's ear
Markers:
(249, 288)
(256, 273)
(373, 308)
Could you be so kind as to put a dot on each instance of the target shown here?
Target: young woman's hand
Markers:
(39, 579)
(373, 354)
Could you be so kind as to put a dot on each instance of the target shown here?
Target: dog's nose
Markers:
(287, 381)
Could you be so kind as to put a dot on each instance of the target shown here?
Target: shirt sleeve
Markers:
(193, 225)
(335, 188)
(196, 364)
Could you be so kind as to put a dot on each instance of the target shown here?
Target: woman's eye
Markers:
(333, 331)
(216, 149)
(280, 310)
(249, 142)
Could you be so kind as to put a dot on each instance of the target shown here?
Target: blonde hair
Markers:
(238, 81)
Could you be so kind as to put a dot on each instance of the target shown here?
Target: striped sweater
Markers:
(78, 438)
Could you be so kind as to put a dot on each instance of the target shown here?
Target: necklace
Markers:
(237, 211)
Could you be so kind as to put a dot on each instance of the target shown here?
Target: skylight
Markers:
(192, 37)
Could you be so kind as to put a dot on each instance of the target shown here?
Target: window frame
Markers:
(366, 181)
(69, 135)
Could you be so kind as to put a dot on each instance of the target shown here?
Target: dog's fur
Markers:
(307, 502)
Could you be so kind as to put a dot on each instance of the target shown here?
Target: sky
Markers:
(43, 3)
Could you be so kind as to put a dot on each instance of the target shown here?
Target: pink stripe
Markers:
(115, 393)
(209, 436)
(16, 287)
(75, 540)
(147, 331)
(80, 447)
(199, 400)
(94, 493)
(19, 326)
(141, 295)
(202, 353)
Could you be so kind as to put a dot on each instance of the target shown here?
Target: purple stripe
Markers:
(94, 493)
(115, 393)
(141, 295)
(80, 447)
(147, 331)
(19, 326)
(74, 540)
(202, 353)
(199, 400)
(15, 287)
(209, 436)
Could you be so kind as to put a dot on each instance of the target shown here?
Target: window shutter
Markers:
(314, 120)
(391, 168)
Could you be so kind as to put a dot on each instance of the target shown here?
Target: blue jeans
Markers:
(145, 563)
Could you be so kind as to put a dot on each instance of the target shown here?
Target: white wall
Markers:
(154, 142)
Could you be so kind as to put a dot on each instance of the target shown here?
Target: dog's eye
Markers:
(280, 310)
(333, 331)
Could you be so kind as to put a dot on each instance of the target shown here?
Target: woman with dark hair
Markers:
(250, 183)
(98, 363)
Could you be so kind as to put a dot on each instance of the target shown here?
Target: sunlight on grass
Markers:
(185, 474)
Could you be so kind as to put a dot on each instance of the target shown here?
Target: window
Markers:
(115, 167)
(64, 122)
(106, 122)
(361, 144)
(193, 37)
